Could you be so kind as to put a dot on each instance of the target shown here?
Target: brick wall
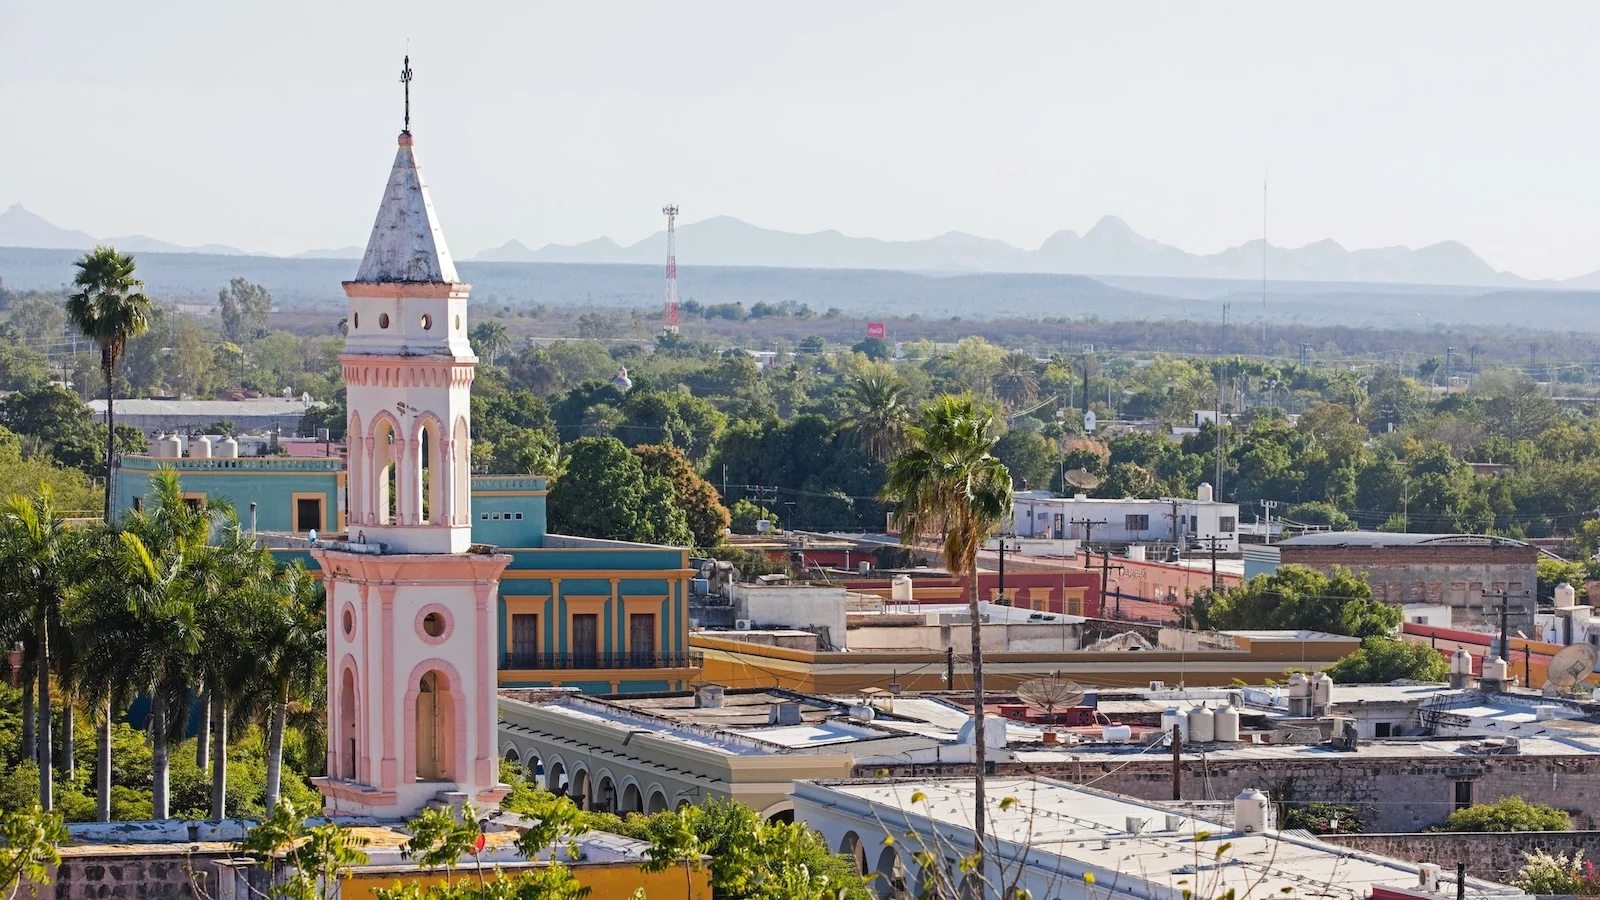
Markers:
(1395, 794)
(1497, 856)
(132, 873)
(1454, 575)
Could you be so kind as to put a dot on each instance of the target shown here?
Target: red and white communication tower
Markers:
(669, 313)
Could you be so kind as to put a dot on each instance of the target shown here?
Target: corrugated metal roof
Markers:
(221, 409)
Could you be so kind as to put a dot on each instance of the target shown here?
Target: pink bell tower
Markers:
(411, 624)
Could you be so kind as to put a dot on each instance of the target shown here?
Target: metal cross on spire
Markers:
(405, 79)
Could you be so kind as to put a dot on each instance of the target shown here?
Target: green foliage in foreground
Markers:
(1508, 814)
(1384, 659)
(1558, 874)
(1297, 598)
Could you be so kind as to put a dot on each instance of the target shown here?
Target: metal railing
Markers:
(624, 660)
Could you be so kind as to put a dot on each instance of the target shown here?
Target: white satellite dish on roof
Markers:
(1572, 664)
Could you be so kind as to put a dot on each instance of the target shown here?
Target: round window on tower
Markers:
(383, 320)
(349, 621)
(433, 624)
(427, 322)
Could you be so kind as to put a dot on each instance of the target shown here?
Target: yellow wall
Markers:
(604, 880)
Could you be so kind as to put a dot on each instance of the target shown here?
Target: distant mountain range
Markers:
(1110, 248)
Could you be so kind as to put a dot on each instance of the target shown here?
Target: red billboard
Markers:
(876, 330)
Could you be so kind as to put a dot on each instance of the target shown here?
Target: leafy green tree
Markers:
(1029, 456)
(606, 494)
(875, 349)
(315, 859)
(28, 848)
(744, 516)
(490, 340)
(1319, 513)
(1384, 659)
(1126, 479)
(109, 310)
(244, 308)
(1508, 814)
(701, 504)
(1302, 599)
(949, 483)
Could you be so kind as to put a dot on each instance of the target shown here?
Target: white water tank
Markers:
(900, 589)
(1116, 734)
(1566, 597)
(1174, 718)
(1202, 725)
(168, 446)
(1227, 724)
(1321, 693)
(1494, 670)
(1250, 812)
(1461, 663)
(994, 732)
(1299, 695)
(200, 447)
(1203, 492)
(227, 448)
(863, 713)
(1136, 552)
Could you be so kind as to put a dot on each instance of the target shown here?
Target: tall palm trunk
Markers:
(30, 737)
(980, 750)
(159, 767)
(69, 727)
(202, 744)
(219, 753)
(109, 363)
(46, 776)
(103, 774)
(275, 748)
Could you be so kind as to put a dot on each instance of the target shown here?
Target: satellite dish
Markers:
(1573, 664)
(1081, 478)
(1050, 694)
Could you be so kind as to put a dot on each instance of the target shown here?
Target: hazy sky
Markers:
(270, 126)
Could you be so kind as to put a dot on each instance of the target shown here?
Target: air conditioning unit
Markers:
(741, 624)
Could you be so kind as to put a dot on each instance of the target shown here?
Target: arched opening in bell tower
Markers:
(436, 727)
(385, 467)
(347, 725)
(434, 472)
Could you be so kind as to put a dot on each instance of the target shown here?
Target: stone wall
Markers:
(1394, 794)
(1496, 856)
(133, 873)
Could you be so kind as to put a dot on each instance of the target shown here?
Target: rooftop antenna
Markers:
(669, 312)
(405, 79)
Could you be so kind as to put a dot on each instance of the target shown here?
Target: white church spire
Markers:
(407, 244)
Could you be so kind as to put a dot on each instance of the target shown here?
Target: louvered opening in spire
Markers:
(407, 244)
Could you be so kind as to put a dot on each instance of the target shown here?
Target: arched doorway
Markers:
(579, 791)
(889, 876)
(851, 847)
(436, 727)
(347, 725)
(557, 782)
(658, 803)
(632, 799)
(605, 794)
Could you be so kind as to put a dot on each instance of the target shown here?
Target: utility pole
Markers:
(1002, 599)
(1504, 610)
(669, 311)
(1268, 506)
(1177, 763)
(1105, 579)
(950, 668)
(1216, 581)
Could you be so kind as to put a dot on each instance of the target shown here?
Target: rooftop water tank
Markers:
(1174, 718)
(1494, 670)
(227, 448)
(864, 713)
(1202, 725)
(1250, 812)
(1227, 724)
(900, 589)
(994, 732)
(1321, 693)
(1117, 734)
(1566, 597)
(168, 446)
(1461, 663)
(200, 447)
(1203, 492)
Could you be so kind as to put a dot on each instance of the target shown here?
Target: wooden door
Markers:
(585, 640)
(430, 761)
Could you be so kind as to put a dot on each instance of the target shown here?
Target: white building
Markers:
(1056, 840)
(1189, 523)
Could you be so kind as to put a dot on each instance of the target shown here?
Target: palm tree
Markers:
(880, 397)
(110, 311)
(110, 648)
(491, 340)
(1018, 381)
(42, 563)
(948, 481)
(234, 594)
(294, 638)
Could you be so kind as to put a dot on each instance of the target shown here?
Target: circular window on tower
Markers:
(427, 322)
(348, 621)
(433, 624)
(383, 320)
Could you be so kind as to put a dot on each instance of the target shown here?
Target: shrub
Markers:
(1508, 814)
